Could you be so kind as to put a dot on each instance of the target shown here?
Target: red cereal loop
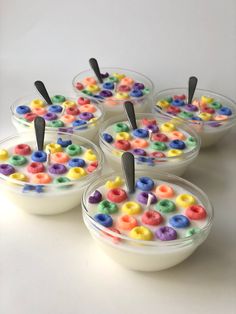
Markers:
(92, 166)
(157, 155)
(73, 110)
(124, 88)
(181, 97)
(79, 86)
(35, 167)
(114, 239)
(159, 137)
(30, 116)
(116, 195)
(196, 212)
(208, 110)
(122, 144)
(147, 122)
(151, 217)
(83, 101)
(173, 110)
(22, 149)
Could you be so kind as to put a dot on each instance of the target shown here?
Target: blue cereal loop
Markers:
(55, 108)
(178, 103)
(141, 133)
(179, 221)
(104, 220)
(22, 109)
(107, 137)
(136, 93)
(145, 184)
(79, 123)
(39, 156)
(76, 162)
(108, 85)
(177, 144)
(225, 111)
(147, 160)
(64, 143)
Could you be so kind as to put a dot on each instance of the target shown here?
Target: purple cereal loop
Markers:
(86, 116)
(143, 198)
(105, 93)
(139, 152)
(166, 233)
(138, 86)
(49, 116)
(152, 127)
(191, 107)
(65, 130)
(95, 198)
(57, 169)
(6, 169)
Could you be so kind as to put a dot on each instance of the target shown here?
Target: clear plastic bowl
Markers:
(111, 107)
(54, 199)
(146, 255)
(209, 135)
(175, 165)
(90, 131)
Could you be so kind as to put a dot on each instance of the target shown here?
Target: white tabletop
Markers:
(50, 264)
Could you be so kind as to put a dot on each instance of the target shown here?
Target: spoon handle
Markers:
(42, 90)
(39, 126)
(192, 83)
(129, 108)
(94, 65)
(129, 171)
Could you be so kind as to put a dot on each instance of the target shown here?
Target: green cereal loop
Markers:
(61, 180)
(192, 231)
(58, 99)
(169, 99)
(121, 127)
(73, 150)
(191, 141)
(107, 207)
(185, 115)
(18, 160)
(146, 91)
(166, 206)
(159, 146)
(112, 79)
(215, 105)
(86, 92)
(55, 124)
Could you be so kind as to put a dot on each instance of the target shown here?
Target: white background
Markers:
(50, 265)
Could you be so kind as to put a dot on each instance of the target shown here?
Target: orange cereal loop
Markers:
(60, 157)
(68, 118)
(126, 222)
(39, 111)
(139, 143)
(111, 101)
(88, 108)
(176, 135)
(41, 178)
(127, 81)
(221, 117)
(164, 191)
(89, 81)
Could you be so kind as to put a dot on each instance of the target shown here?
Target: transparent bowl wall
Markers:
(146, 255)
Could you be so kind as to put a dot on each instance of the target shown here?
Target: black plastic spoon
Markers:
(39, 127)
(192, 83)
(42, 90)
(95, 67)
(129, 109)
(129, 170)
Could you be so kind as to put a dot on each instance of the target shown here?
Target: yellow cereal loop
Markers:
(205, 116)
(119, 76)
(174, 152)
(114, 184)
(185, 200)
(163, 104)
(89, 155)
(122, 95)
(123, 136)
(54, 148)
(76, 173)
(37, 103)
(141, 233)
(18, 176)
(68, 103)
(93, 88)
(206, 100)
(93, 121)
(117, 153)
(131, 208)
(167, 127)
(3, 154)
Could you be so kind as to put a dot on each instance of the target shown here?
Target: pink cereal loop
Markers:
(68, 118)
(39, 111)
(127, 81)
(221, 117)
(89, 81)
(176, 135)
